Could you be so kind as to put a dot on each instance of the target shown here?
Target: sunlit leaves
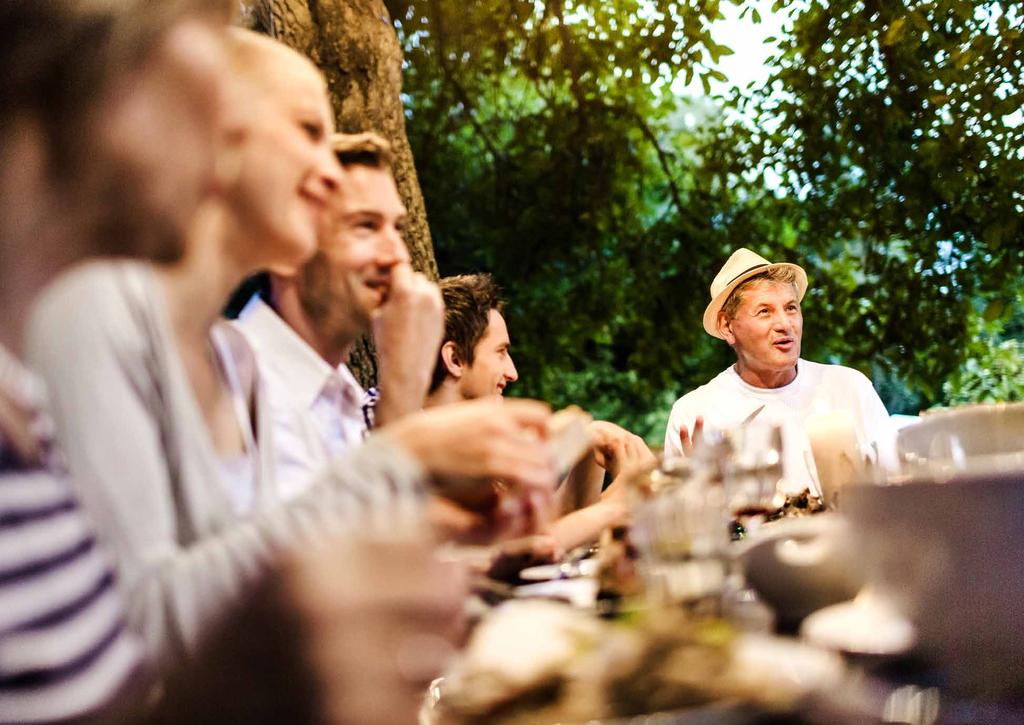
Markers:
(885, 153)
(553, 154)
(896, 126)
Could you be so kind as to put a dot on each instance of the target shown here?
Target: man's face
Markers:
(350, 277)
(492, 369)
(766, 331)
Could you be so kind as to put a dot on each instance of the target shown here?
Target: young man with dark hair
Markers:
(475, 362)
(474, 359)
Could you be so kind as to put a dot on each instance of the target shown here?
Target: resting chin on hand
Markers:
(407, 332)
(617, 450)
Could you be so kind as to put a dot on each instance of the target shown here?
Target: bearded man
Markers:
(305, 326)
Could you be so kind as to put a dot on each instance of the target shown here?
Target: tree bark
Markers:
(354, 44)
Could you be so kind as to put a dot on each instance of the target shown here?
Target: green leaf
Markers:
(994, 310)
(892, 35)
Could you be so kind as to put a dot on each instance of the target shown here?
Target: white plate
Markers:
(547, 572)
(865, 626)
(580, 592)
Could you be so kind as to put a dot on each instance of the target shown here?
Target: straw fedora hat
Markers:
(741, 266)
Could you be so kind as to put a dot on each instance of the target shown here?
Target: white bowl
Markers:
(985, 436)
(950, 556)
(801, 564)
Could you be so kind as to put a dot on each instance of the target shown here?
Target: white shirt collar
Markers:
(290, 358)
(789, 387)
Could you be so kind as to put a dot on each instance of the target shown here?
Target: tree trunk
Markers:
(354, 43)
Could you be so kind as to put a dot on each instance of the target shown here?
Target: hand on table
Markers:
(381, 620)
(348, 631)
(467, 446)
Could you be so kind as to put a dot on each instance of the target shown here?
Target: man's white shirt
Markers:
(318, 411)
(727, 401)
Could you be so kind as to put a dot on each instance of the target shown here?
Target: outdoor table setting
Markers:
(725, 601)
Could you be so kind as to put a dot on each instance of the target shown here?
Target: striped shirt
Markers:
(64, 649)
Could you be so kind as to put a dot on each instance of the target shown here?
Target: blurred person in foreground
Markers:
(161, 409)
(755, 308)
(92, 102)
(80, 77)
(475, 362)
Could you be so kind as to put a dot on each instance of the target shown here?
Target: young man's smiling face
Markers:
(492, 368)
(350, 277)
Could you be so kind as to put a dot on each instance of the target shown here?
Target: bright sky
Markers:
(746, 38)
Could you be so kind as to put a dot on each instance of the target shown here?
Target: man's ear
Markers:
(725, 328)
(452, 363)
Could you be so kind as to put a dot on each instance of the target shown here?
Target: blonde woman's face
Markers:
(288, 174)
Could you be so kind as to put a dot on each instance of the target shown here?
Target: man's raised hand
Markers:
(688, 440)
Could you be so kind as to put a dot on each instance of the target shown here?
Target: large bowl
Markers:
(800, 565)
(989, 436)
(949, 554)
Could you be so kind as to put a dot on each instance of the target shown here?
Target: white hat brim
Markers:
(712, 310)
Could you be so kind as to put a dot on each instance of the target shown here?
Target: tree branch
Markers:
(438, 28)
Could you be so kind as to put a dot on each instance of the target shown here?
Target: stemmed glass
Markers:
(753, 476)
(752, 482)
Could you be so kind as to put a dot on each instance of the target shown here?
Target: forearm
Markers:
(585, 526)
(180, 589)
(401, 393)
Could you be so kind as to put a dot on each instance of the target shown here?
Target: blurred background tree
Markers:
(555, 155)
(884, 153)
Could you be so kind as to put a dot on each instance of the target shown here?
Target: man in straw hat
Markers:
(755, 308)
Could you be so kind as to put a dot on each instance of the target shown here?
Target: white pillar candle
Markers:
(836, 451)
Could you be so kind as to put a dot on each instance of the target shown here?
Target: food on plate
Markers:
(616, 565)
(544, 662)
(798, 504)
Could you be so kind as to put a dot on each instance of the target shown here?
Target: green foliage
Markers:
(550, 153)
(994, 367)
(994, 376)
(884, 155)
(895, 131)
